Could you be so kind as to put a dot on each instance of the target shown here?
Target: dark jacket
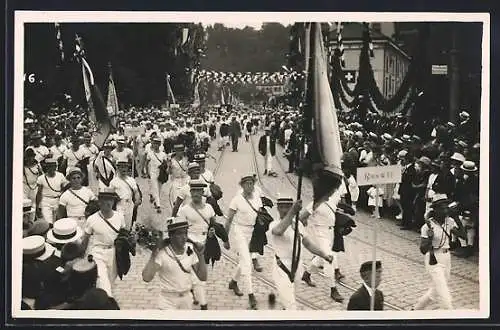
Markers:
(235, 129)
(263, 145)
(212, 248)
(405, 187)
(124, 246)
(224, 129)
(360, 300)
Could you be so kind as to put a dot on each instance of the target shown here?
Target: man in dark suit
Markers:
(406, 190)
(360, 300)
(267, 148)
(235, 133)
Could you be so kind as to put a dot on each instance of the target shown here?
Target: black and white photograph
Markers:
(250, 166)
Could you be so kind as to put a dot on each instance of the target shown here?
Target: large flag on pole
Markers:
(97, 107)
(321, 122)
(112, 104)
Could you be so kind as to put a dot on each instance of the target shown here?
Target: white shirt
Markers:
(172, 277)
(122, 156)
(245, 215)
(58, 151)
(41, 152)
(288, 134)
(100, 230)
(283, 244)
(179, 168)
(90, 151)
(440, 239)
(155, 160)
(122, 189)
(73, 157)
(198, 225)
(323, 215)
(31, 175)
(53, 188)
(74, 206)
(147, 148)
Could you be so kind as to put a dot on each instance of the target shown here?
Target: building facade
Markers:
(390, 63)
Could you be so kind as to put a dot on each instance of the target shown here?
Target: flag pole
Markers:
(374, 248)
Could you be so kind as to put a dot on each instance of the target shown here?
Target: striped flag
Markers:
(112, 104)
(321, 122)
(95, 101)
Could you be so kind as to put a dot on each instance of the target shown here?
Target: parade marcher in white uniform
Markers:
(436, 234)
(239, 226)
(91, 151)
(205, 174)
(103, 226)
(50, 187)
(282, 239)
(128, 192)
(41, 151)
(178, 264)
(122, 153)
(31, 171)
(320, 226)
(73, 201)
(104, 166)
(184, 196)
(199, 215)
(154, 159)
(74, 154)
(178, 172)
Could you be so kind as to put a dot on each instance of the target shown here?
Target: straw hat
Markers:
(64, 231)
(36, 247)
(469, 166)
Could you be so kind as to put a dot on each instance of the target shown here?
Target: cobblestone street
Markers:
(404, 278)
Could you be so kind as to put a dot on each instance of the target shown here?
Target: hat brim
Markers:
(49, 251)
(468, 169)
(54, 240)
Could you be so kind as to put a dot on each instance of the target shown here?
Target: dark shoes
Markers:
(338, 275)
(306, 277)
(233, 285)
(252, 301)
(335, 295)
(256, 265)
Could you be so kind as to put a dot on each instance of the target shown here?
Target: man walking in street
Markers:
(267, 148)
(235, 133)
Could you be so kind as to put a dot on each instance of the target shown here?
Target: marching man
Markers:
(154, 159)
(128, 191)
(178, 172)
(50, 187)
(104, 166)
(178, 264)
(282, 239)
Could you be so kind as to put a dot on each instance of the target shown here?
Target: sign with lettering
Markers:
(439, 70)
(174, 106)
(367, 176)
(133, 131)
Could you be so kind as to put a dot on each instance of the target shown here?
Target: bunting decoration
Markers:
(255, 78)
(340, 44)
(370, 42)
(97, 107)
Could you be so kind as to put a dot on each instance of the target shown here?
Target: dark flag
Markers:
(97, 107)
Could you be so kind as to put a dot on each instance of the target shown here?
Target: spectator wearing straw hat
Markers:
(50, 187)
(75, 199)
(177, 262)
(361, 299)
(104, 227)
(64, 231)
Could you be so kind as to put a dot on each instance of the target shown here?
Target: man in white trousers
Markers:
(239, 226)
(267, 148)
(282, 239)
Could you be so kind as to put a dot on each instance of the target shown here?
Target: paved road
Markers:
(404, 278)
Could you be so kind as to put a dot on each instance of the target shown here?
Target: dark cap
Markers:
(197, 184)
(174, 224)
(367, 266)
(248, 178)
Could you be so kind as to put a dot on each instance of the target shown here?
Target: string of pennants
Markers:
(249, 77)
